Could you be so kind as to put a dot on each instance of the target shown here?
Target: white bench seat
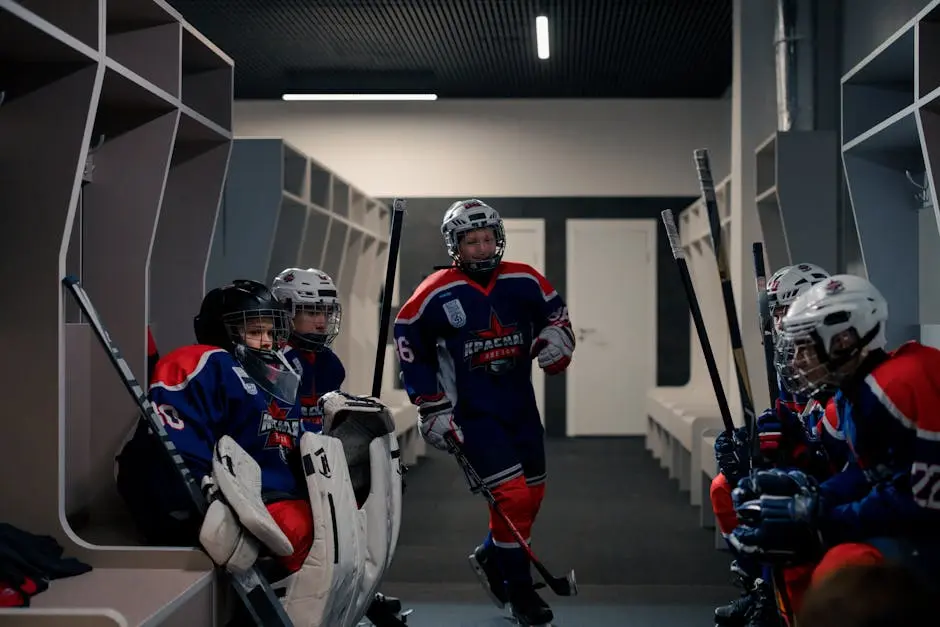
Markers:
(677, 420)
(125, 597)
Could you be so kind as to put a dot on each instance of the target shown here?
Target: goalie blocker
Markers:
(353, 477)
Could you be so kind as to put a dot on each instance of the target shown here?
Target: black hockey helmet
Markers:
(246, 320)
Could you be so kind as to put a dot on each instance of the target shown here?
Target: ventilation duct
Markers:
(786, 65)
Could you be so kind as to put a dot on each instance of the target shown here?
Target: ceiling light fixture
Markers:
(346, 97)
(541, 36)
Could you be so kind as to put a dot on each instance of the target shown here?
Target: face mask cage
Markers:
(260, 337)
(454, 238)
(326, 320)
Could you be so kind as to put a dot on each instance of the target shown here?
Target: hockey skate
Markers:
(487, 570)
(734, 614)
(527, 607)
(386, 612)
(763, 610)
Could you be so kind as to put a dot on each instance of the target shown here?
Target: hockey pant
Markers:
(352, 546)
(720, 493)
(512, 465)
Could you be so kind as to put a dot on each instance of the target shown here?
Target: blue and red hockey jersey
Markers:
(201, 393)
(890, 422)
(472, 342)
(321, 372)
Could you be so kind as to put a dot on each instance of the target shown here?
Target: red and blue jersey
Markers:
(889, 420)
(321, 372)
(202, 393)
(472, 342)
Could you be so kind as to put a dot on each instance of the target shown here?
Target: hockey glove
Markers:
(778, 512)
(553, 348)
(436, 421)
(731, 454)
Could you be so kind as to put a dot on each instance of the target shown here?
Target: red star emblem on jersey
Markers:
(498, 343)
(277, 427)
(497, 329)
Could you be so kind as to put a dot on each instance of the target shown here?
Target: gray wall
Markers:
(422, 249)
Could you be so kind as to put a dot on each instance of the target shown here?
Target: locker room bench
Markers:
(124, 596)
(677, 418)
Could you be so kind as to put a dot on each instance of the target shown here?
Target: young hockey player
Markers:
(466, 339)
(313, 301)
(229, 404)
(235, 381)
(785, 432)
(883, 506)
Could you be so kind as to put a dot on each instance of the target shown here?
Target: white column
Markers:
(753, 98)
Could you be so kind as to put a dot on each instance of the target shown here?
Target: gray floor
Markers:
(610, 513)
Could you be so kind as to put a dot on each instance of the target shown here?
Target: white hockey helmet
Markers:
(310, 291)
(816, 327)
(789, 282)
(469, 215)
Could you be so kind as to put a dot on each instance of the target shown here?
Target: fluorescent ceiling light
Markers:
(335, 97)
(541, 36)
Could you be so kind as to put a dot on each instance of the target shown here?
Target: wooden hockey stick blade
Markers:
(251, 586)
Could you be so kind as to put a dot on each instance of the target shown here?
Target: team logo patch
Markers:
(247, 383)
(834, 286)
(455, 313)
(497, 348)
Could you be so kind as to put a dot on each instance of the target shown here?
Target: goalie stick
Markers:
(385, 611)
(707, 184)
(394, 243)
(566, 586)
(672, 234)
(251, 586)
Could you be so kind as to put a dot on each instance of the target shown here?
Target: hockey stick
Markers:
(382, 611)
(391, 264)
(672, 234)
(707, 183)
(764, 319)
(765, 322)
(565, 586)
(253, 589)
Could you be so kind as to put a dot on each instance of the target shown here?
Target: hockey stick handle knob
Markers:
(672, 234)
(399, 204)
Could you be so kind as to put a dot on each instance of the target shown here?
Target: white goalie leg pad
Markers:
(238, 478)
(382, 517)
(322, 593)
(396, 491)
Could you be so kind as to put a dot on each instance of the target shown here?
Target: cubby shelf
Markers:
(795, 175)
(284, 209)
(111, 171)
(890, 153)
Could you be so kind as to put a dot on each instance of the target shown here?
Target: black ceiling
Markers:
(473, 48)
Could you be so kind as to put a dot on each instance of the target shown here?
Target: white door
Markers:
(611, 295)
(525, 243)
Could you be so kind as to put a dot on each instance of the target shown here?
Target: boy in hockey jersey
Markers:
(466, 339)
(313, 301)
(785, 432)
(311, 298)
(235, 381)
(883, 506)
